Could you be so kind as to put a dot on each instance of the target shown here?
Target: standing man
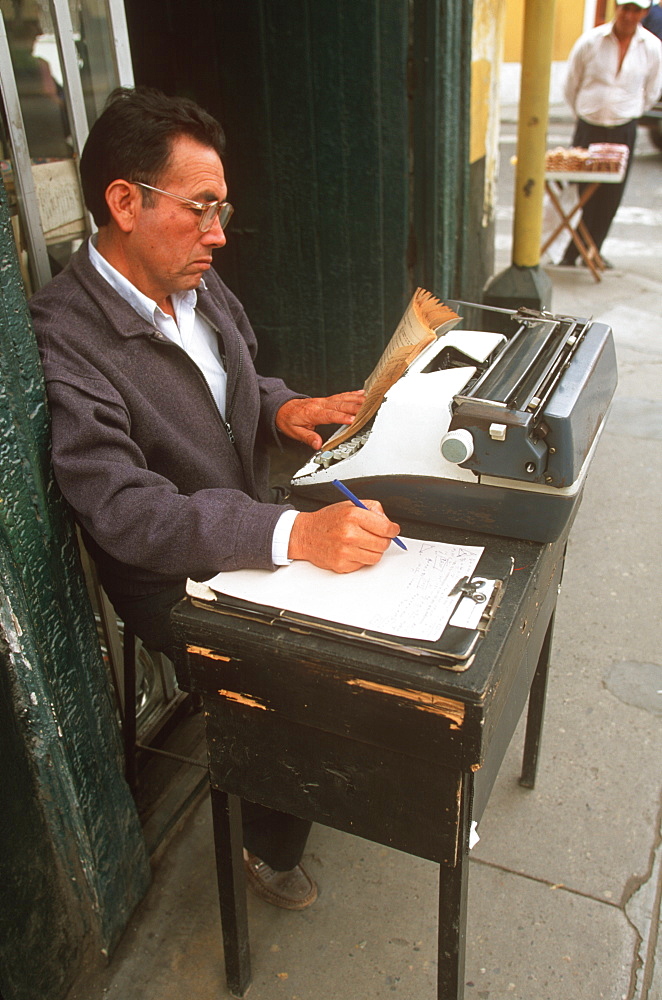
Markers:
(160, 422)
(614, 75)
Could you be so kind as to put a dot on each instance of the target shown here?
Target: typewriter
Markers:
(491, 432)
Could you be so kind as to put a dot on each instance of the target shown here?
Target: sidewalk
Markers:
(564, 899)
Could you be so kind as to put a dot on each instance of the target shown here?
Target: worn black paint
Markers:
(290, 671)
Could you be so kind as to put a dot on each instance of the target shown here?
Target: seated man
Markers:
(160, 422)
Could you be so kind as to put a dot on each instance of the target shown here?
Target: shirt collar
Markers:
(146, 308)
(604, 30)
(608, 29)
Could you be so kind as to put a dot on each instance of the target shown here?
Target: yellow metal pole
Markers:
(532, 131)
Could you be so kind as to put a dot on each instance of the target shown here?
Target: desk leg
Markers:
(536, 712)
(228, 838)
(453, 885)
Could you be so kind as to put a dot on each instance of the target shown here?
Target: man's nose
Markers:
(215, 235)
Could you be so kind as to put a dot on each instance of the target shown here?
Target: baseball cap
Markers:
(644, 4)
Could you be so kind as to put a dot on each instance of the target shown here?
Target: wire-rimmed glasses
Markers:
(209, 210)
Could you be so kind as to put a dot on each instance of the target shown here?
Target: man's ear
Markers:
(123, 200)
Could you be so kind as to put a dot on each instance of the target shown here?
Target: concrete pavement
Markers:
(565, 884)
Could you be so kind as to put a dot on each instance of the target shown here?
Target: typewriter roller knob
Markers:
(457, 446)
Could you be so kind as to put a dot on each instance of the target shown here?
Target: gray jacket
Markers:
(139, 448)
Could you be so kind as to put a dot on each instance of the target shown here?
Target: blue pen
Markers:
(357, 503)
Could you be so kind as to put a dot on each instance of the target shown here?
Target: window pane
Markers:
(94, 44)
(38, 77)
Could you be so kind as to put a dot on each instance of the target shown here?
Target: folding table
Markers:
(578, 232)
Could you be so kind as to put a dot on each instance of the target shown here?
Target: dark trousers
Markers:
(600, 210)
(275, 837)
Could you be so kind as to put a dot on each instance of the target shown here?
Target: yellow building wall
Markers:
(486, 53)
(486, 49)
(568, 26)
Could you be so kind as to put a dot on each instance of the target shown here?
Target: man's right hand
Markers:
(342, 537)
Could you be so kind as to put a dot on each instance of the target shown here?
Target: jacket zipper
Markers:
(230, 406)
(162, 339)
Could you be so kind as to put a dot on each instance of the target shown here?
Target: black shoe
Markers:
(292, 890)
(566, 263)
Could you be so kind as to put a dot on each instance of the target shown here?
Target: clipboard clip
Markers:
(469, 588)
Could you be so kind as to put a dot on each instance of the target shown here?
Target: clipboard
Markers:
(454, 650)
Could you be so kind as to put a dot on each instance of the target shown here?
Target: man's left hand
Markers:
(298, 418)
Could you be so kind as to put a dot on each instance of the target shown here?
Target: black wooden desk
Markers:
(389, 748)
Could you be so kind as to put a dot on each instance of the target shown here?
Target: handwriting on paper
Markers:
(407, 594)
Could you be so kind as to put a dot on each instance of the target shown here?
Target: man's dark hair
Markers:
(132, 140)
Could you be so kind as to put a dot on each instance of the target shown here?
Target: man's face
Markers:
(168, 252)
(626, 19)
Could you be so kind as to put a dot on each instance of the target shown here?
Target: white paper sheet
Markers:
(406, 594)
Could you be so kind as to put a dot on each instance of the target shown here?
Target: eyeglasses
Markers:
(209, 210)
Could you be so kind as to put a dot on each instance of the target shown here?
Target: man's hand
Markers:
(298, 418)
(342, 537)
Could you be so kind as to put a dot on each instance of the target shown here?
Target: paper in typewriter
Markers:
(424, 320)
(407, 594)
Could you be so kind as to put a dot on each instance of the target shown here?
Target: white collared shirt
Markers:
(193, 334)
(602, 94)
(190, 331)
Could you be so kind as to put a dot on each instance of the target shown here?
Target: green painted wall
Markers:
(72, 857)
(317, 151)
(348, 129)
